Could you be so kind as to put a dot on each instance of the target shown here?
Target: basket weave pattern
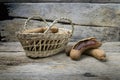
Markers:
(44, 44)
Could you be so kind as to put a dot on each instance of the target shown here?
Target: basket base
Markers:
(42, 54)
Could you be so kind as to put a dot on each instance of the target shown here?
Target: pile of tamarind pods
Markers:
(89, 46)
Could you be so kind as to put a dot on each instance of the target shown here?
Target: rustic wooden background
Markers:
(98, 18)
(91, 19)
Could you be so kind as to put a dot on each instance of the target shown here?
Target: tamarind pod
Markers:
(97, 53)
(79, 46)
(41, 30)
(83, 45)
(91, 43)
(36, 30)
(54, 29)
(44, 29)
(75, 54)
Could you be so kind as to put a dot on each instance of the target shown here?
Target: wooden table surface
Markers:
(14, 65)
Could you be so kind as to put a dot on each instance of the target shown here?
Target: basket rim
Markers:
(62, 29)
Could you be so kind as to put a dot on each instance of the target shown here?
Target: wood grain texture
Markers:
(10, 27)
(65, 1)
(17, 47)
(16, 66)
(97, 20)
(80, 13)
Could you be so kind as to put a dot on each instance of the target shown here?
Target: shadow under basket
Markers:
(43, 45)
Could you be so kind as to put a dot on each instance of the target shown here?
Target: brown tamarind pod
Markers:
(36, 30)
(97, 53)
(44, 29)
(54, 29)
(41, 30)
(83, 45)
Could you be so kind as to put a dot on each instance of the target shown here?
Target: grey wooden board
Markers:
(8, 29)
(16, 66)
(82, 1)
(46, 1)
(105, 1)
(17, 47)
(10, 46)
(80, 13)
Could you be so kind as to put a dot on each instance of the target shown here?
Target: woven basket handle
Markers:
(56, 20)
(34, 17)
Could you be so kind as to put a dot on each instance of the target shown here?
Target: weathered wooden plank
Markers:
(45, 1)
(88, 14)
(16, 66)
(10, 27)
(105, 1)
(17, 47)
(59, 66)
(65, 1)
(11, 47)
(81, 13)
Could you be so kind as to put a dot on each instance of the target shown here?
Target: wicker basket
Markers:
(44, 44)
